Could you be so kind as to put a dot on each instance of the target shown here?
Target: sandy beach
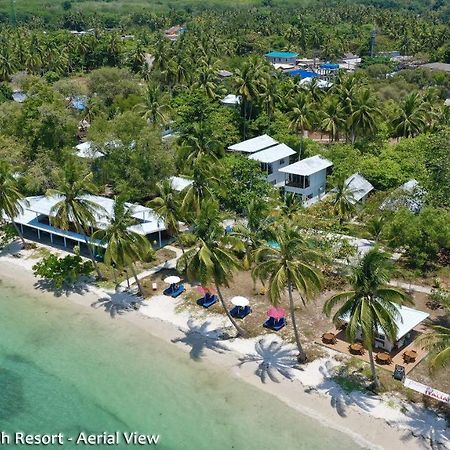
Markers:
(384, 422)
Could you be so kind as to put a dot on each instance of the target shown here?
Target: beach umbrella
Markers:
(173, 279)
(240, 301)
(276, 313)
(204, 290)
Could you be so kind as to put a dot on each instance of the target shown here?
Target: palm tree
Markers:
(344, 200)
(411, 116)
(291, 264)
(332, 118)
(302, 114)
(438, 342)
(371, 305)
(155, 107)
(75, 207)
(10, 197)
(167, 205)
(212, 258)
(123, 247)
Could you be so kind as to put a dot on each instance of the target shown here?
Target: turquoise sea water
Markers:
(63, 370)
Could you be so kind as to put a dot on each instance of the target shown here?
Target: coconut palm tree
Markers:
(332, 118)
(411, 116)
(302, 114)
(124, 247)
(10, 197)
(371, 305)
(212, 259)
(155, 107)
(291, 265)
(74, 206)
(438, 342)
(343, 200)
(167, 205)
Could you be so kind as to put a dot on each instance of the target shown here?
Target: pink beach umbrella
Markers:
(204, 290)
(276, 313)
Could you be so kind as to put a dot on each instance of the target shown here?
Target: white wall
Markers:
(317, 185)
(276, 176)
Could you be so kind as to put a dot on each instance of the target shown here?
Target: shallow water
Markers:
(63, 370)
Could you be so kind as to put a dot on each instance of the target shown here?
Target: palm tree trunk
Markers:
(19, 233)
(376, 381)
(116, 284)
(301, 357)
(240, 331)
(92, 256)
(141, 290)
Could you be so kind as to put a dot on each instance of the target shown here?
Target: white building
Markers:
(307, 177)
(87, 150)
(37, 217)
(180, 183)
(359, 186)
(272, 159)
(272, 155)
(406, 320)
(231, 100)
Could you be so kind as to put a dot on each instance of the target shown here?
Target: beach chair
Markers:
(207, 301)
(239, 312)
(274, 324)
(177, 291)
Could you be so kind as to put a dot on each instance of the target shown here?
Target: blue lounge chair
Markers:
(207, 301)
(239, 312)
(174, 290)
(274, 324)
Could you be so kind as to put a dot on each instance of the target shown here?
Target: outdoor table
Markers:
(410, 356)
(384, 358)
(357, 348)
(329, 338)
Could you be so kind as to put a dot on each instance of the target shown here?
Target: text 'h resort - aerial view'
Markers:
(225, 225)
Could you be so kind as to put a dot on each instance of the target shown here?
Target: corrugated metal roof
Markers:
(180, 183)
(307, 166)
(272, 154)
(254, 145)
(277, 54)
(359, 186)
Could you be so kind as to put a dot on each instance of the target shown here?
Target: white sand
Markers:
(374, 422)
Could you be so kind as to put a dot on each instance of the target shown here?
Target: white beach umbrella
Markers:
(173, 279)
(239, 301)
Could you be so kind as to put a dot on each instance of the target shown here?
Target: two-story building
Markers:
(307, 177)
(272, 155)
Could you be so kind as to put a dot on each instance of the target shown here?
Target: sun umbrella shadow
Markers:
(117, 303)
(273, 358)
(344, 389)
(199, 337)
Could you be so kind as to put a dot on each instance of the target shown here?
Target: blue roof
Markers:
(281, 55)
(302, 73)
(329, 66)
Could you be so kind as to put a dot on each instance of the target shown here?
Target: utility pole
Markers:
(13, 13)
(373, 36)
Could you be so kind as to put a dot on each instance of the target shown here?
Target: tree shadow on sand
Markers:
(424, 424)
(118, 303)
(273, 358)
(343, 388)
(199, 338)
(81, 287)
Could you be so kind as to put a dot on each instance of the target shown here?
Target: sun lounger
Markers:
(174, 291)
(239, 312)
(274, 324)
(207, 301)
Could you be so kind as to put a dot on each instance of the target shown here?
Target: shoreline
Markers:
(379, 427)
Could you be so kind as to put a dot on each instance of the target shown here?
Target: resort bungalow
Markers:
(282, 57)
(37, 217)
(407, 319)
(269, 153)
(180, 183)
(307, 177)
(231, 100)
(359, 186)
(272, 159)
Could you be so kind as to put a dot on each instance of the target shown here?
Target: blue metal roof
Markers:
(281, 54)
(302, 73)
(329, 66)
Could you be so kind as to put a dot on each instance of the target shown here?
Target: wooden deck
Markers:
(342, 345)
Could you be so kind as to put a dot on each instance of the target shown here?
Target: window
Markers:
(281, 161)
(299, 181)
